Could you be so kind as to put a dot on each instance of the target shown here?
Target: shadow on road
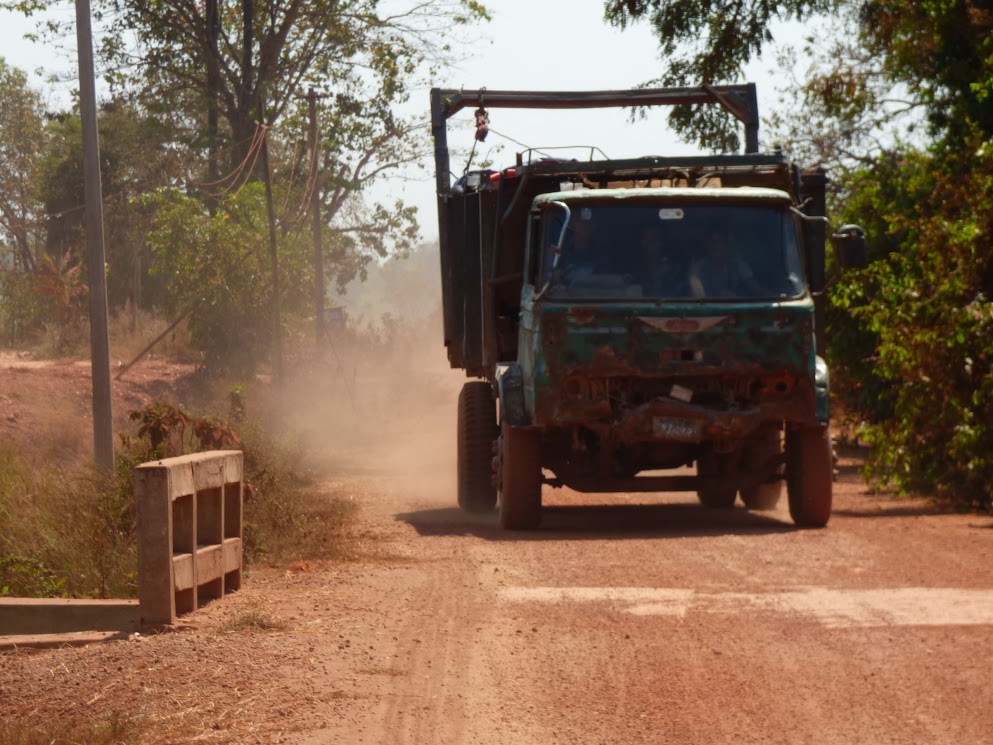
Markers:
(918, 508)
(601, 522)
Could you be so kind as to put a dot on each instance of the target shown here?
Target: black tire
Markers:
(766, 444)
(711, 464)
(809, 475)
(520, 478)
(477, 431)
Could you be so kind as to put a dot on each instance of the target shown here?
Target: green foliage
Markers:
(211, 82)
(943, 52)
(707, 44)
(273, 511)
(282, 519)
(22, 311)
(51, 297)
(171, 431)
(68, 531)
(192, 102)
(236, 401)
(22, 141)
(884, 71)
(218, 268)
(20, 577)
(916, 358)
(137, 154)
(61, 285)
(875, 60)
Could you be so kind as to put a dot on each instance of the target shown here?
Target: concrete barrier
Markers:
(189, 532)
(36, 616)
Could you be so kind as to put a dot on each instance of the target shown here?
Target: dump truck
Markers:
(651, 324)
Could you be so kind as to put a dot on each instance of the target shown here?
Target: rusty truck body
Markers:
(624, 318)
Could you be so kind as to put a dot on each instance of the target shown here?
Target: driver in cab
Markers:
(721, 272)
(580, 256)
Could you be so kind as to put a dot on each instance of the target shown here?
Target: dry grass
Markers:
(288, 525)
(71, 528)
(252, 621)
(117, 729)
(131, 332)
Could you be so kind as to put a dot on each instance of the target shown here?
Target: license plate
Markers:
(684, 430)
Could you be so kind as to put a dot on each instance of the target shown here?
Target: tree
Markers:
(878, 59)
(707, 44)
(218, 70)
(248, 63)
(889, 73)
(912, 336)
(22, 142)
(137, 154)
(943, 53)
(215, 267)
(264, 54)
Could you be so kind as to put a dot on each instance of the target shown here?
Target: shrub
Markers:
(71, 532)
(68, 532)
(916, 361)
(22, 311)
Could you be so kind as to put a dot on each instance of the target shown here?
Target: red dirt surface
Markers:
(625, 619)
(46, 407)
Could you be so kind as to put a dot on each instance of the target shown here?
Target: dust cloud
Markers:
(380, 400)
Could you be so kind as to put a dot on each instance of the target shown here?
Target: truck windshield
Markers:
(674, 252)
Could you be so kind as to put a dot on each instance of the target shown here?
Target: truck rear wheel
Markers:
(712, 465)
(520, 478)
(477, 430)
(809, 475)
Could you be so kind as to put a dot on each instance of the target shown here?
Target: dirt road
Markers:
(626, 619)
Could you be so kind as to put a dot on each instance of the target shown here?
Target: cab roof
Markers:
(743, 193)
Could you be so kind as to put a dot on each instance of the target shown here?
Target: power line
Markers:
(253, 139)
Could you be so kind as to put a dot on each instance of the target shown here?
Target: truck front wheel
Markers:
(809, 475)
(477, 430)
(520, 478)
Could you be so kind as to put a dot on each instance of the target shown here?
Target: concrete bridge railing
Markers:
(189, 513)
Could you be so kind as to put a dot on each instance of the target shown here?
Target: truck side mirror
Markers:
(849, 247)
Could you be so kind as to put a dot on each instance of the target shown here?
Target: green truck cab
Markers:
(625, 318)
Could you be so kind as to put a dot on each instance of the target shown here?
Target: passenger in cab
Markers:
(721, 272)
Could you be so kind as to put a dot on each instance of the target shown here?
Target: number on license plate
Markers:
(676, 429)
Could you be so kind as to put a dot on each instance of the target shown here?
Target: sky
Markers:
(566, 45)
(528, 45)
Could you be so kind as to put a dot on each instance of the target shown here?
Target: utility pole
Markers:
(212, 18)
(277, 346)
(315, 213)
(103, 433)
